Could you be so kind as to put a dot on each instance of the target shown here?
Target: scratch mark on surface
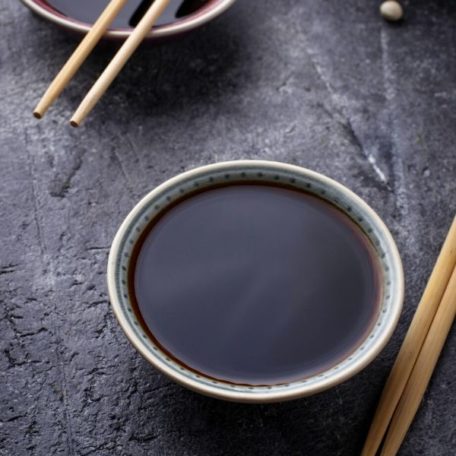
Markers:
(334, 96)
(35, 200)
(14, 418)
(290, 130)
(342, 117)
(97, 303)
(9, 317)
(402, 201)
(8, 269)
(47, 262)
(369, 157)
(282, 87)
(119, 162)
(33, 333)
(145, 438)
(61, 186)
(133, 147)
(124, 173)
(97, 249)
(63, 380)
(345, 123)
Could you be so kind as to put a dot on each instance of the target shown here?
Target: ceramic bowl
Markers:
(205, 14)
(354, 207)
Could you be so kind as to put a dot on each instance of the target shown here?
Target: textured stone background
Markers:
(323, 84)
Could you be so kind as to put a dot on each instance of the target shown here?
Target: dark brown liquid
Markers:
(88, 11)
(256, 284)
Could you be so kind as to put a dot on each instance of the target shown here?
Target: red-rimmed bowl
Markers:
(206, 13)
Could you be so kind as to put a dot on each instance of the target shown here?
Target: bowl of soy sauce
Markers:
(255, 281)
(180, 16)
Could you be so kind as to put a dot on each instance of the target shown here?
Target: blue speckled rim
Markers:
(262, 171)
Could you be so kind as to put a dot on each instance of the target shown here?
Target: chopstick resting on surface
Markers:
(422, 371)
(412, 344)
(119, 60)
(78, 57)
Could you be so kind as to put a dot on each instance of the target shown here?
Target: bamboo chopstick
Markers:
(412, 344)
(119, 60)
(79, 55)
(422, 371)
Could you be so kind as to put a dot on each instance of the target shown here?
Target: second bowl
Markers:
(77, 16)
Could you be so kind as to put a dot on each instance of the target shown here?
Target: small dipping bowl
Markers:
(206, 177)
(206, 13)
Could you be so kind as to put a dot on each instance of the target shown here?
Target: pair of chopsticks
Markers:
(114, 67)
(417, 357)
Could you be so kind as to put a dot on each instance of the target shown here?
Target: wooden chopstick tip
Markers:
(78, 117)
(41, 108)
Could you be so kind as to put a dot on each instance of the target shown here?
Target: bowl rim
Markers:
(186, 24)
(271, 394)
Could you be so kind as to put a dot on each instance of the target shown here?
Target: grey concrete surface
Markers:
(327, 85)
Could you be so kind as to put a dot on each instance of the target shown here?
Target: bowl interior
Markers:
(154, 203)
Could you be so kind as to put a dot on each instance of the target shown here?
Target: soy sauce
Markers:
(255, 284)
(88, 11)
